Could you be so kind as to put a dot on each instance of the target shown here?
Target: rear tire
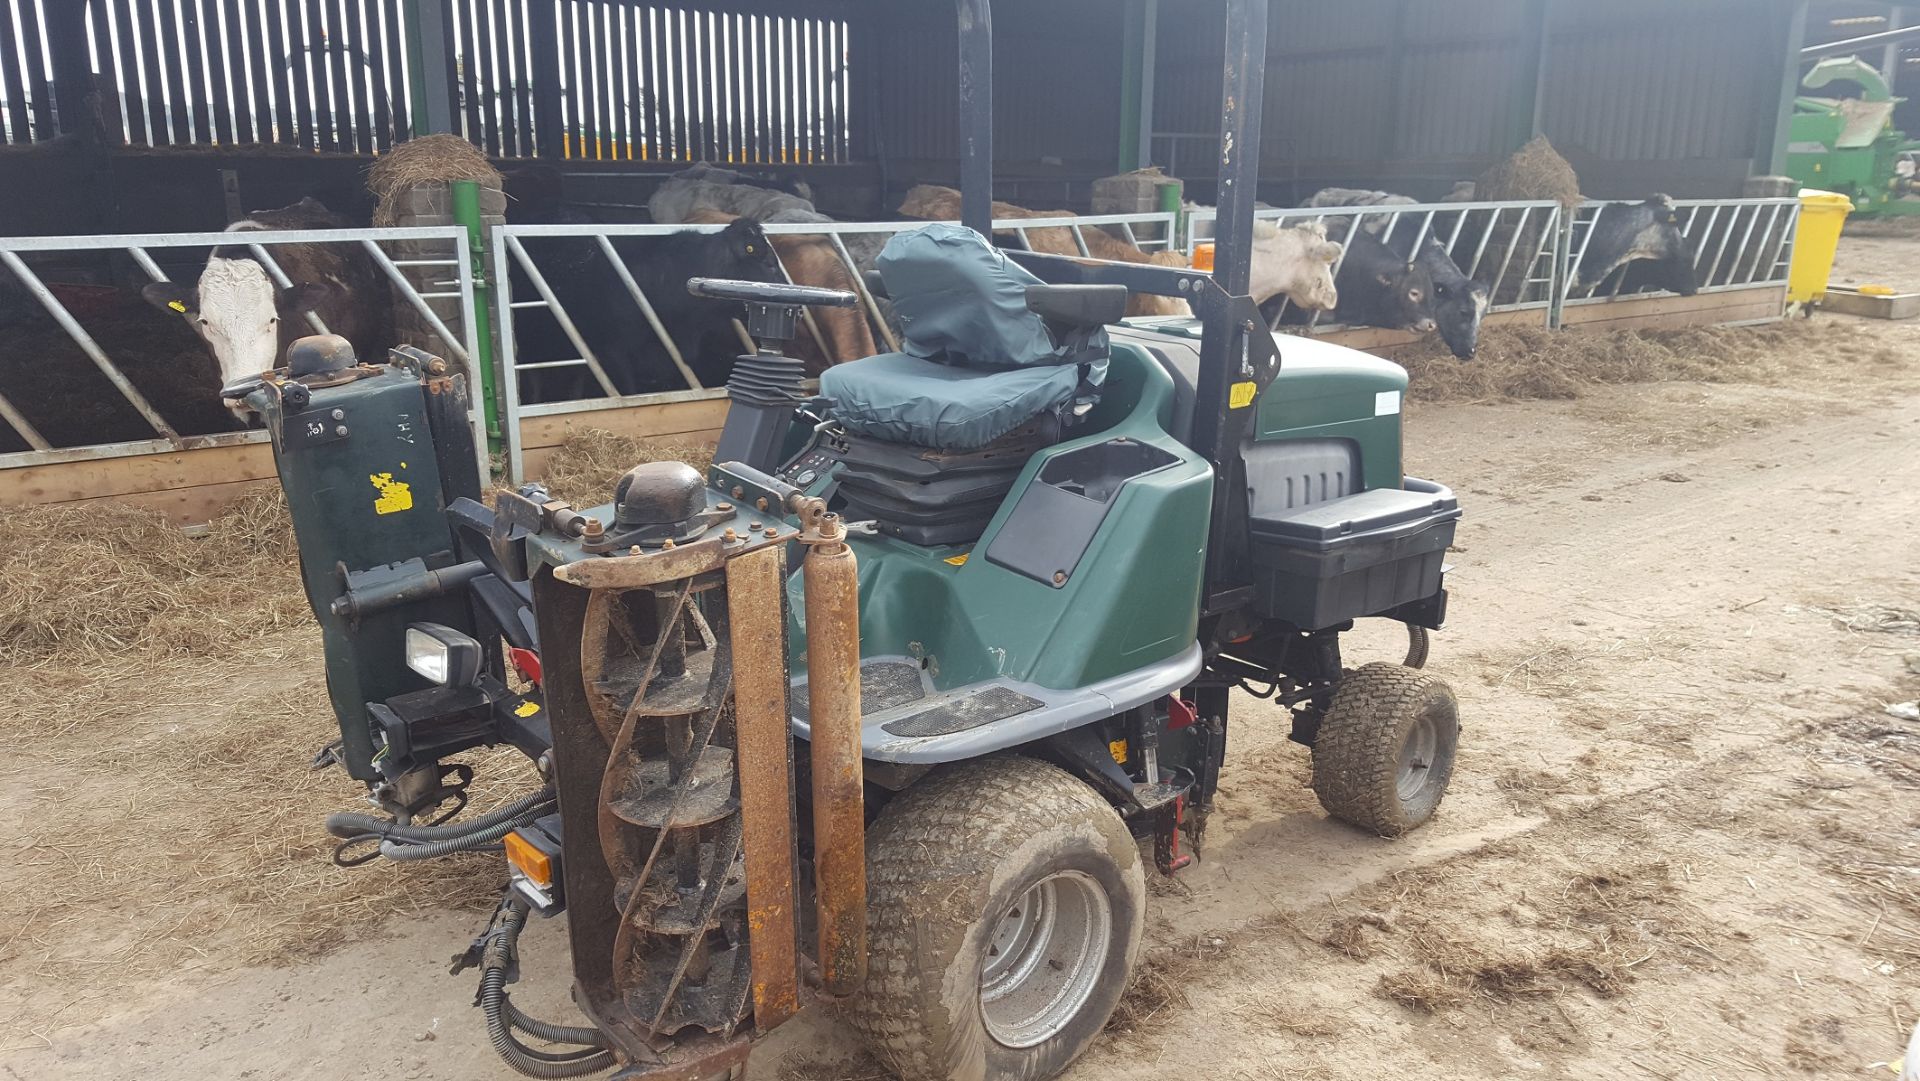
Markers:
(1005, 905)
(1385, 750)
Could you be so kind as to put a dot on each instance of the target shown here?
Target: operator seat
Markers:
(995, 365)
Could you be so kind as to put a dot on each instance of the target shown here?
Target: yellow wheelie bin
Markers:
(1822, 213)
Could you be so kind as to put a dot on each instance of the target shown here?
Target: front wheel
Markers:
(1005, 905)
(1384, 753)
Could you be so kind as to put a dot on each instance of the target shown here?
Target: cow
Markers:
(1624, 233)
(247, 322)
(1376, 287)
(613, 326)
(1455, 303)
(708, 187)
(1295, 262)
(705, 194)
(811, 260)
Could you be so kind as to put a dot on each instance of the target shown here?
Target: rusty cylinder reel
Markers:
(684, 666)
(833, 701)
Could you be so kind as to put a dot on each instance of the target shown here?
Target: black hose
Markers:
(347, 824)
(407, 850)
(503, 1016)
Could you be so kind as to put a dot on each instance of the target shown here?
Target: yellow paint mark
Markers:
(395, 495)
(526, 709)
(1241, 395)
(959, 560)
(1118, 749)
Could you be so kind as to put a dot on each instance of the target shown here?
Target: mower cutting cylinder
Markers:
(833, 699)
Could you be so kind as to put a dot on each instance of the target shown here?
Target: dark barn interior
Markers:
(587, 101)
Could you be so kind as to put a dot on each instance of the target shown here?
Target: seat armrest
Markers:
(1075, 306)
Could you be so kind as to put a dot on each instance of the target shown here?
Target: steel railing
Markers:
(1734, 243)
(1147, 232)
(1508, 246)
(18, 255)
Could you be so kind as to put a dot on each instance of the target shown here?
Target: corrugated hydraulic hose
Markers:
(503, 1017)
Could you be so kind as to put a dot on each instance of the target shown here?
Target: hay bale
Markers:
(428, 159)
(1535, 171)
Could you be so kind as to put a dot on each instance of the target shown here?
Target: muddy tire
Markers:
(1385, 750)
(1005, 904)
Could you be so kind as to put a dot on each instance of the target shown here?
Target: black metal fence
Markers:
(602, 80)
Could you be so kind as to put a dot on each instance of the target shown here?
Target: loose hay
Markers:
(87, 582)
(1530, 363)
(585, 467)
(430, 158)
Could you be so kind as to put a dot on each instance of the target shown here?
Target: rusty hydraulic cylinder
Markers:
(755, 590)
(833, 697)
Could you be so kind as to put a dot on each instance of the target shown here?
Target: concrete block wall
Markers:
(431, 204)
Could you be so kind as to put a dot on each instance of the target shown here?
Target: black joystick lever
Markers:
(764, 387)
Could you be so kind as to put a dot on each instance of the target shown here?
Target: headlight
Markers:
(442, 654)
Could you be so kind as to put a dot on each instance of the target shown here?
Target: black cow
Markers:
(612, 324)
(1625, 233)
(1456, 302)
(1453, 303)
(1377, 288)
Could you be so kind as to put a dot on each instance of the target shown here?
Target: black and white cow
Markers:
(1630, 235)
(1376, 287)
(247, 322)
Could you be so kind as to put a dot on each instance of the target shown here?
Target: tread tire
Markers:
(964, 843)
(1357, 752)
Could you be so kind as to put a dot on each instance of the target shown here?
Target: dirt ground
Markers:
(1683, 839)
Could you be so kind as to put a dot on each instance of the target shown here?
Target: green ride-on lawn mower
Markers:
(878, 711)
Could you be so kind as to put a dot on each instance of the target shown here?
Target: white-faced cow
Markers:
(1295, 262)
(247, 322)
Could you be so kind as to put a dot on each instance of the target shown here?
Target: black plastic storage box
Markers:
(1358, 555)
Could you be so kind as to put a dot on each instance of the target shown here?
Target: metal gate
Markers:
(1735, 244)
(60, 274)
(1508, 246)
(522, 285)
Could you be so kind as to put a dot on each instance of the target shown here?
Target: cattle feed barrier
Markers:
(1741, 250)
(187, 474)
(1526, 252)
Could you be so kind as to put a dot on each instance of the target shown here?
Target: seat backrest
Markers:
(960, 301)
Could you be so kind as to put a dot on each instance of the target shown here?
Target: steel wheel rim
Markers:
(1417, 753)
(1043, 958)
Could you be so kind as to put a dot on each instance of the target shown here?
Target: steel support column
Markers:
(976, 111)
(430, 69)
(1229, 377)
(1139, 45)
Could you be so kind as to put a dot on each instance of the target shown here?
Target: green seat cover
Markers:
(976, 364)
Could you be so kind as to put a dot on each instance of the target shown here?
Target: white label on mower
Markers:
(1386, 403)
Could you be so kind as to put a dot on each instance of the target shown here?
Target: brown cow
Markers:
(811, 260)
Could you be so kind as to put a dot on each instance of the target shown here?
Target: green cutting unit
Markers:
(1850, 145)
